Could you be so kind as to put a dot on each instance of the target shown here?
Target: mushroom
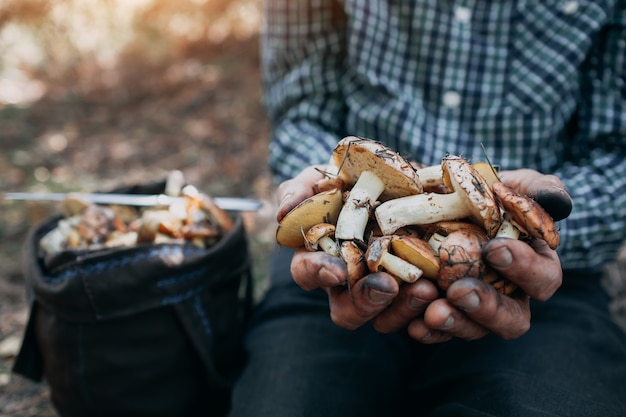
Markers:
(521, 214)
(441, 230)
(507, 228)
(321, 236)
(378, 257)
(417, 252)
(352, 255)
(431, 178)
(323, 207)
(501, 284)
(96, 222)
(471, 197)
(330, 180)
(372, 171)
(203, 205)
(460, 255)
(528, 213)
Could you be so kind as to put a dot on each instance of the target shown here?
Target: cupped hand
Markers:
(471, 308)
(377, 297)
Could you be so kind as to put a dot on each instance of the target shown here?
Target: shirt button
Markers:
(462, 14)
(570, 7)
(452, 99)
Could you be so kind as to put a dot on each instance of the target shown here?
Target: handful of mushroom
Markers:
(86, 226)
(378, 212)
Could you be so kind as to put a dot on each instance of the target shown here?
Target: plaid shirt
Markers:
(540, 84)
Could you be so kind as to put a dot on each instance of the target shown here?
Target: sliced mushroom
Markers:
(471, 197)
(373, 172)
(379, 257)
(323, 207)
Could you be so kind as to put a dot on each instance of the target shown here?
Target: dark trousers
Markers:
(571, 363)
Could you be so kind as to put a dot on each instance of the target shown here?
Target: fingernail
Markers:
(428, 336)
(328, 277)
(417, 303)
(448, 323)
(379, 297)
(468, 302)
(500, 257)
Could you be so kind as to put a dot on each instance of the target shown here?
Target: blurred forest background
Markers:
(98, 94)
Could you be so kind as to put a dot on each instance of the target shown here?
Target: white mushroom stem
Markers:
(435, 241)
(426, 208)
(510, 228)
(329, 246)
(378, 257)
(355, 213)
(400, 268)
(430, 176)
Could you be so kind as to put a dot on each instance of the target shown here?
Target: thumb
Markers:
(547, 190)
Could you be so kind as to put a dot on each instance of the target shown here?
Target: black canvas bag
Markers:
(150, 330)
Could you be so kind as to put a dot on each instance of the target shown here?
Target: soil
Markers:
(200, 113)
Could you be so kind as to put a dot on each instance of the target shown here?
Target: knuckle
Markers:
(342, 321)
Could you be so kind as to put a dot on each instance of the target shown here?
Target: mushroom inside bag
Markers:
(87, 227)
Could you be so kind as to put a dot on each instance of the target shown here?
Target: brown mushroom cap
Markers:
(321, 236)
(460, 255)
(354, 258)
(375, 251)
(418, 252)
(528, 213)
(462, 178)
(354, 155)
(323, 207)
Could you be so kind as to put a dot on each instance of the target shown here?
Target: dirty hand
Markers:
(471, 308)
(372, 295)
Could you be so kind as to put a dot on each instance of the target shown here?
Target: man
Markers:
(541, 85)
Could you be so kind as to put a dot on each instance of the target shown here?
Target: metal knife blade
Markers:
(140, 200)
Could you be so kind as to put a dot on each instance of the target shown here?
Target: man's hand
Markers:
(471, 308)
(376, 297)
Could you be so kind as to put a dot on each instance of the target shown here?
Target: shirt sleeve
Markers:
(595, 176)
(303, 44)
